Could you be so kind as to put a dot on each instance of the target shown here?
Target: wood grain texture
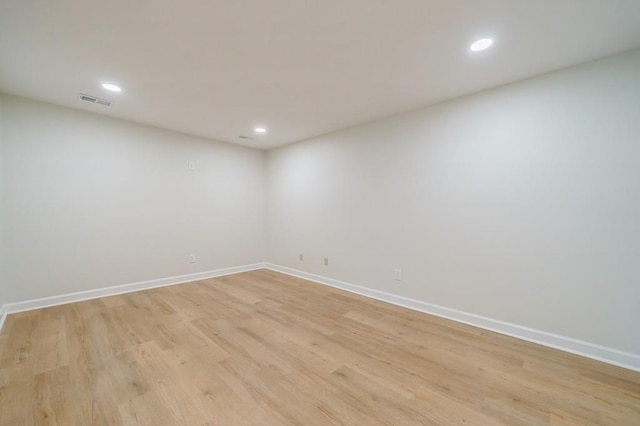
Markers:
(262, 348)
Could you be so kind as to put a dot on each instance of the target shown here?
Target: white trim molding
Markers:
(3, 315)
(80, 296)
(590, 350)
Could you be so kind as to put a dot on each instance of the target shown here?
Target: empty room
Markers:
(296, 212)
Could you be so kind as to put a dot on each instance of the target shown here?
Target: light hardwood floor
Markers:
(263, 348)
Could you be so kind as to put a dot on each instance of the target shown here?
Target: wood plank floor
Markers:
(262, 348)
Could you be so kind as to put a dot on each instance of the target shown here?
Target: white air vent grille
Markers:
(94, 99)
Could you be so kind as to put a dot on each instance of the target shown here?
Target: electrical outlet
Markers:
(397, 274)
(192, 258)
(301, 257)
(326, 261)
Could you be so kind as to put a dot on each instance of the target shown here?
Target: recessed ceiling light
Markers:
(111, 87)
(260, 130)
(481, 44)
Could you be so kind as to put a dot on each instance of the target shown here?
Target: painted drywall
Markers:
(93, 202)
(520, 204)
(2, 214)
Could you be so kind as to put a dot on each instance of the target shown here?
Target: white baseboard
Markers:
(45, 302)
(3, 316)
(590, 350)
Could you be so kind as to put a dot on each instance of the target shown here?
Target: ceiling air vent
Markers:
(94, 100)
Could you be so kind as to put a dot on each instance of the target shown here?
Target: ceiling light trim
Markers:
(481, 44)
(112, 87)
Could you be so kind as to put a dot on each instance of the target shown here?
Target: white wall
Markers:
(520, 204)
(2, 214)
(93, 202)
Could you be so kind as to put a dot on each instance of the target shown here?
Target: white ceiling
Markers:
(299, 67)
